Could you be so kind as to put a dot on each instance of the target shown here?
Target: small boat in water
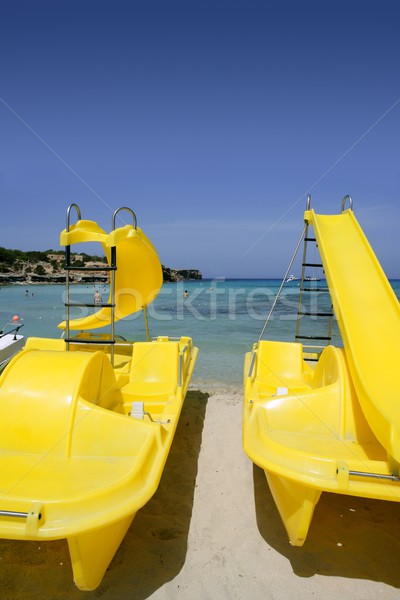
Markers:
(11, 341)
(291, 278)
(311, 278)
(331, 426)
(87, 421)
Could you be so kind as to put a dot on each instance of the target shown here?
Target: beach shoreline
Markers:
(212, 531)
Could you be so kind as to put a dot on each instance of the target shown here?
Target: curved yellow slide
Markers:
(368, 315)
(138, 278)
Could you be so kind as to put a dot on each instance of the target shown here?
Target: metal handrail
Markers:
(78, 211)
(16, 513)
(350, 199)
(129, 210)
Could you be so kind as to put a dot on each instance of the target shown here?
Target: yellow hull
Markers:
(335, 428)
(92, 552)
(307, 431)
(83, 445)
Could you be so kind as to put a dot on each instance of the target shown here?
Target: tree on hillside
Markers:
(40, 270)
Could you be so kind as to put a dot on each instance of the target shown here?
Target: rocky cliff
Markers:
(180, 274)
(48, 267)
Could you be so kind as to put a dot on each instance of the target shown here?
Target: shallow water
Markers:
(224, 317)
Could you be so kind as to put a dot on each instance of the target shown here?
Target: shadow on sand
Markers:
(350, 537)
(153, 550)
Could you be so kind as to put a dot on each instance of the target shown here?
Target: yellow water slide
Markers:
(368, 315)
(138, 278)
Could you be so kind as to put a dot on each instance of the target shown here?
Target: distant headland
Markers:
(17, 266)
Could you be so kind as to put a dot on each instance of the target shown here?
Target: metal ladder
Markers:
(303, 311)
(111, 269)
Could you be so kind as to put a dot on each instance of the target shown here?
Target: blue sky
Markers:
(212, 120)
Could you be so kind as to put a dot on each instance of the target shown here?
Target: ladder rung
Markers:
(316, 289)
(88, 305)
(314, 314)
(312, 265)
(90, 341)
(312, 337)
(97, 269)
(310, 239)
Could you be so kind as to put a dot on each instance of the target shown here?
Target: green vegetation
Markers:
(40, 270)
(13, 257)
(94, 258)
(10, 257)
(52, 262)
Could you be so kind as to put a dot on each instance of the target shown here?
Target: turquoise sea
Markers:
(224, 317)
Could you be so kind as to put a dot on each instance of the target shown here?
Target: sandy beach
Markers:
(212, 531)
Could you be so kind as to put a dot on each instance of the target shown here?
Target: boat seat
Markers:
(280, 366)
(154, 370)
(35, 343)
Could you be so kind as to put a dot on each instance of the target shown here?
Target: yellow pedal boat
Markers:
(87, 421)
(335, 427)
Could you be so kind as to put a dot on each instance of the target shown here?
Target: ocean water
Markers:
(224, 317)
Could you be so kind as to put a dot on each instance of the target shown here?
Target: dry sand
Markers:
(212, 531)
